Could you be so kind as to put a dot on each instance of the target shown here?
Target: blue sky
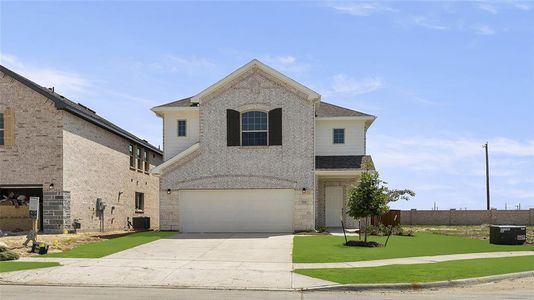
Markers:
(442, 77)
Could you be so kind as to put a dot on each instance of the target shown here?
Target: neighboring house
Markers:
(68, 156)
(258, 152)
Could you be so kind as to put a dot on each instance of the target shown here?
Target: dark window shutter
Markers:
(275, 127)
(232, 127)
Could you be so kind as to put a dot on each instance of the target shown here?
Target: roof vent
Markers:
(51, 89)
(94, 112)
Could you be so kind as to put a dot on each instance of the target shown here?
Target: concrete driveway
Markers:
(187, 260)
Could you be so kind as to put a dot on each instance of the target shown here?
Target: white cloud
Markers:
(522, 6)
(429, 24)
(64, 82)
(483, 29)
(285, 63)
(451, 155)
(488, 8)
(192, 65)
(343, 84)
(188, 65)
(358, 8)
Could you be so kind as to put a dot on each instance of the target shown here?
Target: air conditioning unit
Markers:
(508, 234)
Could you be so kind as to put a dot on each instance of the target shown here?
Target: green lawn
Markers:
(107, 247)
(441, 271)
(10, 266)
(328, 248)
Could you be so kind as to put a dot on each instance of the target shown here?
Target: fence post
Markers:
(413, 211)
(531, 216)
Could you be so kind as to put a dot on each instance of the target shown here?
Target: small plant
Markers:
(321, 229)
(6, 254)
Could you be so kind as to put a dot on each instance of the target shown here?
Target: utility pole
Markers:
(487, 177)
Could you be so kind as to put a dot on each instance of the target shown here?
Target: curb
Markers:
(337, 287)
(424, 285)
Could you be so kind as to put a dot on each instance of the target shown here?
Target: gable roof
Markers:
(186, 102)
(327, 110)
(312, 95)
(79, 110)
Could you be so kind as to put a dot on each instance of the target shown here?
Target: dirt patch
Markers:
(480, 232)
(58, 242)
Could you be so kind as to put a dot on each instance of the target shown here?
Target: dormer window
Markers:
(254, 128)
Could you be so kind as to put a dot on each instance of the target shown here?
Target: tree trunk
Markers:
(366, 225)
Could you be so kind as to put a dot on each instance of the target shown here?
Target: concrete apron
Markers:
(234, 261)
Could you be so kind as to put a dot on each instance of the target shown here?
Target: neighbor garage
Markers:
(250, 210)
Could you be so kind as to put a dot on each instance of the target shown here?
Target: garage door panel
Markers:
(236, 210)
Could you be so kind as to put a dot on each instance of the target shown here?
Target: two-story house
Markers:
(258, 152)
(69, 156)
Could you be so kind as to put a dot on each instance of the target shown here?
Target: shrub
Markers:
(8, 255)
(383, 230)
(321, 229)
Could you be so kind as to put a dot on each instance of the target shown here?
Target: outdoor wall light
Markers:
(168, 191)
(51, 186)
(303, 190)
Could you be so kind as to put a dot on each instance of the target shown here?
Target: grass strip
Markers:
(10, 266)
(107, 247)
(430, 272)
(328, 248)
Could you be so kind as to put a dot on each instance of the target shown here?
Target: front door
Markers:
(333, 205)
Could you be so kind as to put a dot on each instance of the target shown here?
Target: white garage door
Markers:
(236, 210)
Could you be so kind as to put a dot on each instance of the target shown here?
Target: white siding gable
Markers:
(354, 137)
(174, 144)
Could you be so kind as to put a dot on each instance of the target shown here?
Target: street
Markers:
(516, 289)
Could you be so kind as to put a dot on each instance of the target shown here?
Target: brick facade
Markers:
(217, 166)
(82, 161)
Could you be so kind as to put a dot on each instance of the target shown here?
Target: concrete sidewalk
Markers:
(410, 260)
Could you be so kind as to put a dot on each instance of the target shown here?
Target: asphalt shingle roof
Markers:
(79, 110)
(331, 110)
(186, 102)
(339, 162)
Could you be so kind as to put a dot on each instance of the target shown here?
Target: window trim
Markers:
(241, 128)
(334, 136)
(178, 128)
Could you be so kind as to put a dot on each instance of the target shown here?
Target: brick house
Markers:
(68, 156)
(258, 152)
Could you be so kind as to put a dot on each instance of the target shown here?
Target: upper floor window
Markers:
(254, 128)
(182, 128)
(2, 129)
(132, 158)
(138, 156)
(339, 135)
(145, 160)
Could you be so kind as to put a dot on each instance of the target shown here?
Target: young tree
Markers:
(372, 196)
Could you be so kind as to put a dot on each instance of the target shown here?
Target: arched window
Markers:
(254, 128)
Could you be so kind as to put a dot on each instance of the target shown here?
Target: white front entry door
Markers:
(333, 205)
(252, 210)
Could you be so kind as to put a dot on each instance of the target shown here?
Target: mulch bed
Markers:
(369, 244)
